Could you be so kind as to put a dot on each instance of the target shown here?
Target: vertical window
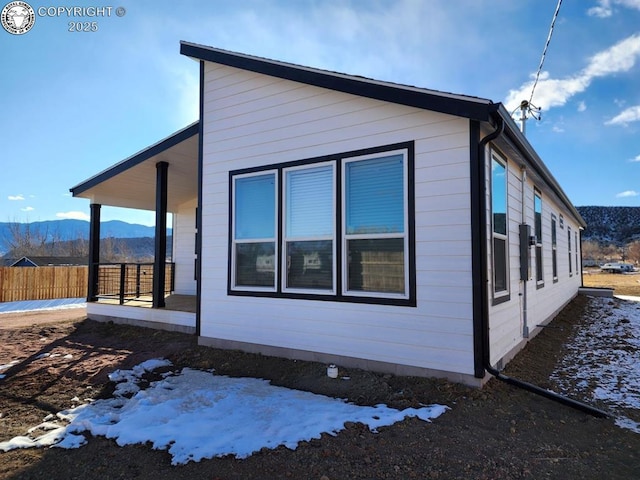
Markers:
(254, 231)
(577, 253)
(375, 225)
(537, 208)
(554, 248)
(499, 222)
(569, 239)
(309, 228)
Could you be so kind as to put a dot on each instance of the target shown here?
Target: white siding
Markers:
(507, 320)
(252, 120)
(184, 233)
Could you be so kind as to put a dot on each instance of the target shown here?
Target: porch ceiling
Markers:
(132, 182)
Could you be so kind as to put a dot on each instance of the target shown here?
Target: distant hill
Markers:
(66, 230)
(611, 225)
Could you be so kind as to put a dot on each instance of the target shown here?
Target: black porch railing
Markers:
(131, 281)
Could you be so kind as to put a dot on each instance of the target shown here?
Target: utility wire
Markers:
(544, 52)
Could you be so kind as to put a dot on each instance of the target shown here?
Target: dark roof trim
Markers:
(460, 105)
(513, 133)
(136, 159)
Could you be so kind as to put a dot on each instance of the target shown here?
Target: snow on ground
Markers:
(602, 363)
(7, 367)
(36, 305)
(196, 414)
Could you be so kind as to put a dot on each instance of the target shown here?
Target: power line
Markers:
(544, 52)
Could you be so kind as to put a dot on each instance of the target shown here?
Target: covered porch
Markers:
(162, 178)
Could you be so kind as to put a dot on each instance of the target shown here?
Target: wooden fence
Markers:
(42, 283)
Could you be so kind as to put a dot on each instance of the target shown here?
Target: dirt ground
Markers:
(622, 283)
(499, 432)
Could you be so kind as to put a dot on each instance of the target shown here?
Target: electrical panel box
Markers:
(526, 242)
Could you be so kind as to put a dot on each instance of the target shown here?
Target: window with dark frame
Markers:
(335, 228)
(499, 220)
(537, 208)
(569, 239)
(577, 254)
(254, 231)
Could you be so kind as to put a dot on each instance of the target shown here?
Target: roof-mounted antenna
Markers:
(527, 109)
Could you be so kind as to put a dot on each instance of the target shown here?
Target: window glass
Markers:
(569, 239)
(309, 202)
(255, 207)
(374, 191)
(376, 265)
(499, 197)
(500, 229)
(500, 266)
(537, 207)
(538, 217)
(255, 264)
(310, 264)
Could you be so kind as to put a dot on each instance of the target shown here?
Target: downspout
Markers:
(481, 304)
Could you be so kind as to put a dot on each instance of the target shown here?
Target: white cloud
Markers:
(635, 159)
(27, 209)
(631, 114)
(73, 215)
(582, 106)
(627, 193)
(605, 7)
(603, 10)
(16, 197)
(552, 92)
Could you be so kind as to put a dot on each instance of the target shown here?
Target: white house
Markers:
(346, 220)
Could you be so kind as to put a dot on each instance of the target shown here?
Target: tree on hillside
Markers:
(633, 252)
(26, 239)
(23, 239)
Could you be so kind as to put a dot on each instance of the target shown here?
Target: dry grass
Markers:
(622, 283)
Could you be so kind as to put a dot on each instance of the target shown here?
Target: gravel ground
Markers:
(499, 432)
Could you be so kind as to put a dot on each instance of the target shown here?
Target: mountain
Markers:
(65, 230)
(611, 225)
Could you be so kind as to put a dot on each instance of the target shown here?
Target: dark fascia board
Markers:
(514, 134)
(138, 158)
(460, 105)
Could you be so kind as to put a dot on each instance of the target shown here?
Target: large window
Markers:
(336, 227)
(309, 228)
(254, 231)
(499, 220)
(537, 208)
(375, 225)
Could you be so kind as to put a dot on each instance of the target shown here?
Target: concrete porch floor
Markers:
(178, 303)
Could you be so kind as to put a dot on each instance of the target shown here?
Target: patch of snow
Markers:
(602, 362)
(241, 415)
(37, 305)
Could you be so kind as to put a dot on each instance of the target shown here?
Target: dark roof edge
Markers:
(168, 142)
(520, 141)
(459, 105)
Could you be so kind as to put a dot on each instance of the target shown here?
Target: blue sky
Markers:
(75, 103)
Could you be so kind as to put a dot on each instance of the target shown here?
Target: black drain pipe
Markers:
(480, 284)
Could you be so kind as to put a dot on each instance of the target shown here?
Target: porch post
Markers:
(94, 252)
(160, 256)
